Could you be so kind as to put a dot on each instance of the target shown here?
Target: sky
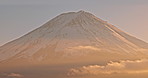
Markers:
(18, 17)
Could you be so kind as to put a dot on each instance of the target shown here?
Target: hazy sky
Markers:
(18, 17)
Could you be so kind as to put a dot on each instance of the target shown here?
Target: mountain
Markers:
(73, 37)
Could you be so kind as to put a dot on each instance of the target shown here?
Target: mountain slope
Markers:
(70, 35)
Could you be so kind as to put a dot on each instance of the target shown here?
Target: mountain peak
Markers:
(73, 18)
(76, 17)
(84, 12)
(81, 11)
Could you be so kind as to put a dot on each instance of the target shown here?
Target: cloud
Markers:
(15, 75)
(127, 67)
(84, 48)
(11, 75)
(80, 50)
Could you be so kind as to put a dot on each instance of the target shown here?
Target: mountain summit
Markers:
(74, 35)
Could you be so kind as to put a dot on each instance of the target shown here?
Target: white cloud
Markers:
(16, 75)
(84, 48)
(11, 75)
(129, 67)
(80, 50)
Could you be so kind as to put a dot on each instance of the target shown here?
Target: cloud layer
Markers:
(84, 47)
(127, 67)
(11, 75)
